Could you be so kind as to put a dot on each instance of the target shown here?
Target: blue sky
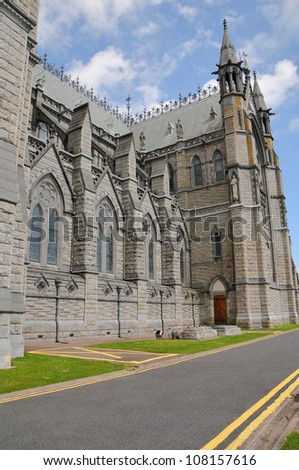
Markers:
(155, 49)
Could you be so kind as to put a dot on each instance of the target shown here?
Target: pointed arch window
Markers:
(150, 242)
(52, 237)
(99, 249)
(197, 174)
(171, 178)
(151, 260)
(46, 231)
(105, 241)
(216, 242)
(35, 234)
(109, 251)
(218, 166)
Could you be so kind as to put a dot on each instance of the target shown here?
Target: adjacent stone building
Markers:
(114, 226)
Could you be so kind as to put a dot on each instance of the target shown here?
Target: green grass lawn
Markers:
(170, 346)
(37, 370)
(291, 442)
(285, 327)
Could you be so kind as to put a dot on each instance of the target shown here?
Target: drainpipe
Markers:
(161, 312)
(118, 311)
(57, 284)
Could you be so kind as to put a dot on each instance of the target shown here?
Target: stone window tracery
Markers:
(196, 172)
(105, 255)
(218, 166)
(46, 229)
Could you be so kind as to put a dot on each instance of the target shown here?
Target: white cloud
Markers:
(278, 86)
(258, 48)
(294, 125)
(57, 17)
(283, 14)
(148, 29)
(187, 48)
(106, 68)
(187, 12)
(151, 94)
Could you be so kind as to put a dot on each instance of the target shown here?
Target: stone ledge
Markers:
(200, 333)
(227, 330)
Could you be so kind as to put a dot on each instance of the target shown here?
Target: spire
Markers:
(259, 97)
(227, 53)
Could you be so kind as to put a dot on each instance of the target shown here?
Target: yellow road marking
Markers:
(261, 418)
(97, 352)
(118, 361)
(214, 443)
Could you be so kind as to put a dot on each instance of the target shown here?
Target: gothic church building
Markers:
(111, 225)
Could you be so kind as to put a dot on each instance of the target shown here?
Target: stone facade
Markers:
(117, 228)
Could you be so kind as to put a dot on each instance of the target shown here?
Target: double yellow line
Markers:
(243, 436)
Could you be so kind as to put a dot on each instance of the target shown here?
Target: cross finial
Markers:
(224, 24)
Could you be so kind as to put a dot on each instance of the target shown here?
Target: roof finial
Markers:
(254, 75)
(224, 24)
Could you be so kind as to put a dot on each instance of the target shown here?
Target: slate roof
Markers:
(61, 92)
(195, 119)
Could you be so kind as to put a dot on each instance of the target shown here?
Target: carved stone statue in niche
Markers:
(142, 141)
(234, 184)
(179, 130)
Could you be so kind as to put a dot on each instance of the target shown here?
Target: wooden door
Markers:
(220, 312)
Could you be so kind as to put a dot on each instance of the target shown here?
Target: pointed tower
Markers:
(263, 110)
(250, 256)
(229, 68)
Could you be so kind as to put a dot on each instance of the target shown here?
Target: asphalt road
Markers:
(178, 407)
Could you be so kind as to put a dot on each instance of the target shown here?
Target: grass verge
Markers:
(291, 442)
(285, 327)
(37, 370)
(170, 346)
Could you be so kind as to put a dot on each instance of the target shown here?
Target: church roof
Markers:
(196, 119)
(61, 92)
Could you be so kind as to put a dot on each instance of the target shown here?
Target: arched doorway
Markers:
(218, 294)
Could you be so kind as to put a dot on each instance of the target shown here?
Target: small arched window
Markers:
(171, 178)
(218, 166)
(196, 168)
(53, 237)
(35, 234)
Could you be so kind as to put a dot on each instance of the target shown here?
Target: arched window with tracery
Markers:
(196, 172)
(150, 241)
(53, 237)
(218, 166)
(171, 178)
(46, 230)
(109, 251)
(105, 253)
(35, 234)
